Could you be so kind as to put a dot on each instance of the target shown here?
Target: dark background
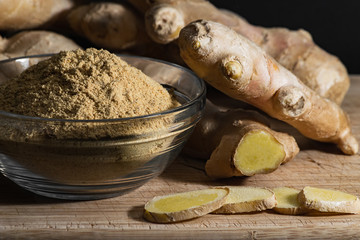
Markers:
(334, 25)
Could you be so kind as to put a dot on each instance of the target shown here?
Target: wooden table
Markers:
(26, 215)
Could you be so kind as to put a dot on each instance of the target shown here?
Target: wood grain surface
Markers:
(24, 215)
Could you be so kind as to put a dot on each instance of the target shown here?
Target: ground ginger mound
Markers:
(84, 85)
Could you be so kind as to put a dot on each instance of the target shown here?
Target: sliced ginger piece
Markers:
(184, 206)
(327, 200)
(287, 201)
(258, 152)
(253, 149)
(243, 199)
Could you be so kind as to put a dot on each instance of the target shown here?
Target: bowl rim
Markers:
(148, 116)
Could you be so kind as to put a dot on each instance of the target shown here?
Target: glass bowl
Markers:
(68, 159)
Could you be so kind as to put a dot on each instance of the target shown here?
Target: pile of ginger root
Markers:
(278, 71)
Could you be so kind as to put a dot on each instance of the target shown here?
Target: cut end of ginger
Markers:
(327, 200)
(184, 206)
(258, 152)
(287, 201)
(247, 199)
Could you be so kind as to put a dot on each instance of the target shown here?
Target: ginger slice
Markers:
(287, 202)
(250, 149)
(247, 199)
(184, 206)
(327, 200)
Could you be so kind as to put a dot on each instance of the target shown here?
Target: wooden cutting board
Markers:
(26, 215)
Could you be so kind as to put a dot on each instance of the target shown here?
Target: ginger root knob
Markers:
(163, 23)
(232, 69)
(291, 100)
(196, 45)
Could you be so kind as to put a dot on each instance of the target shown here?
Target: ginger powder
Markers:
(85, 85)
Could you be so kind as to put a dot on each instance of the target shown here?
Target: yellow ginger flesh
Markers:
(247, 194)
(286, 197)
(184, 201)
(287, 201)
(258, 151)
(319, 194)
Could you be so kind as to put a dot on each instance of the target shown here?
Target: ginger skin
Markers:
(165, 18)
(118, 27)
(34, 42)
(245, 72)
(295, 50)
(110, 25)
(220, 136)
(26, 14)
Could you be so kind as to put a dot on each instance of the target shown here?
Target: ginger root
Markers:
(165, 18)
(238, 143)
(119, 27)
(215, 123)
(33, 43)
(25, 14)
(184, 206)
(295, 50)
(239, 68)
(109, 25)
